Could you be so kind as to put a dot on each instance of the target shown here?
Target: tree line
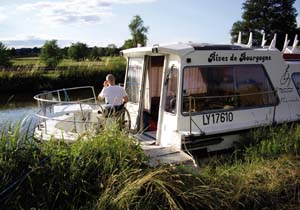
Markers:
(89, 52)
(51, 54)
(77, 51)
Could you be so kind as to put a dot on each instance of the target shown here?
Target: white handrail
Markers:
(38, 96)
(44, 103)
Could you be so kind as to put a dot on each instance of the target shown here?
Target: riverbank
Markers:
(28, 76)
(109, 172)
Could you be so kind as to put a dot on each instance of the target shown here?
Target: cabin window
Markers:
(171, 87)
(207, 88)
(225, 87)
(253, 87)
(296, 80)
(134, 79)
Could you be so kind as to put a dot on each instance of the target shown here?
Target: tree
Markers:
(64, 52)
(13, 52)
(269, 17)
(138, 31)
(112, 50)
(128, 44)
(78, 51)
(4, 56)
(95, 54)
(50, 54)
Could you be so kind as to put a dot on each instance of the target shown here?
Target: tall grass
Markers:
(271, 142)
(33, 77)
(63, 176)
(109, 172)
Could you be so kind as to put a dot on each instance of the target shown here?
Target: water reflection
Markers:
(15, 108)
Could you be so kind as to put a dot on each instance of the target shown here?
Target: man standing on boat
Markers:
(114, 95)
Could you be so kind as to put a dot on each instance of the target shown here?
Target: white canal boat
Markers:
(187, 96)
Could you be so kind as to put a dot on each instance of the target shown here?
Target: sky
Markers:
(28, 23)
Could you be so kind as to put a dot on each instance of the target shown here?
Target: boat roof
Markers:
(181, 48)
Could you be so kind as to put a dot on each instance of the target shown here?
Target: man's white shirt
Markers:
(113, 95)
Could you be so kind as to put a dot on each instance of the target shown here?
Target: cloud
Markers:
(2, 16)
(31, 41)
(75, 11)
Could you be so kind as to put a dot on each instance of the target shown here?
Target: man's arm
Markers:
(101, 96)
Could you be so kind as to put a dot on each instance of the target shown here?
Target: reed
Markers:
(270, 142)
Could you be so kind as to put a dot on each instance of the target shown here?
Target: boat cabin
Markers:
(201, 96)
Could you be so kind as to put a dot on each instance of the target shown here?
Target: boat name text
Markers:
(215, 118)
(214, 57)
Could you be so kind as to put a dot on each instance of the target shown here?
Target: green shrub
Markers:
(50, 54)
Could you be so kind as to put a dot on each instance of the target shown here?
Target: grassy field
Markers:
(36, 62)
(30, 75)
(109, 172)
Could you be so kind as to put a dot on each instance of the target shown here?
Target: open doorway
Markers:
(153, 82)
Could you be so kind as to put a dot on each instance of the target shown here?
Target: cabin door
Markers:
(134, 88)
(153, 82)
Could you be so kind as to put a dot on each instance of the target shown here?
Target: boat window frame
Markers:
(185, 114)
(293, 74)
(170, 71)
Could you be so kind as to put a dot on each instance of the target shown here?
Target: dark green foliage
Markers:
(128, 44)
(266, 16)
(4, 56)
(78, 51)
(111, 50)
(64, 52)
(138, 32)
(50, 54)
(95, 54)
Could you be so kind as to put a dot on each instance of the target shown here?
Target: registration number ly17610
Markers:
(215, 118)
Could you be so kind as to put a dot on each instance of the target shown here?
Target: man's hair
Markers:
(110, 78)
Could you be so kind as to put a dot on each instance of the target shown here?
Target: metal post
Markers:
(95, 98)
(82, 115)
(75, 129)
(45, 126)
(58, 95)
(190, 113)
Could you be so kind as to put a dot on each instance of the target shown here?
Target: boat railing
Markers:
(51, 105)
(44, 97)
(192, 104)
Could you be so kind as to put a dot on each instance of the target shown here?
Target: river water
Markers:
(21, 108)
(15, 108)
